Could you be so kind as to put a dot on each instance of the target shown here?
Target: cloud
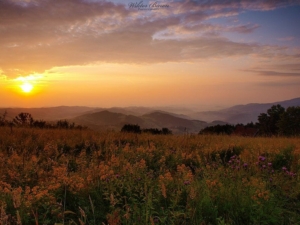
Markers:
(288, 66)
(290, 38)
(39, 35)
(3, 77)
(279, 84)
(274, 73)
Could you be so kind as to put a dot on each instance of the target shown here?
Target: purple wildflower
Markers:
(269, 164)
(245, 165)
(187, 182)
(261, 158)
(284, 168)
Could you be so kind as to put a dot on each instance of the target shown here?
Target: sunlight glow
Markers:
(26, 87)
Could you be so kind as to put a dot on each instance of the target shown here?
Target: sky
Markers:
(197, 54)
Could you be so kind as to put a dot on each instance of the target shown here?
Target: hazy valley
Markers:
(179, 120)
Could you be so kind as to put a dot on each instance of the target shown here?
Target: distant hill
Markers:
(106, 120)
(242, 113)
(48, 113)
(111, 120)
(175, 123)
(177, 119)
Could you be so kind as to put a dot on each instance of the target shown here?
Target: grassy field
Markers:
(84, 177)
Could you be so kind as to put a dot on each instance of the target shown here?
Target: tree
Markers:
(2, 119)
(64, 124)
(23, 119)
(218, 129)
(129, 128)
(267, 122)
(155, 131)
(289, 123)
(166, 131)
(40, 124)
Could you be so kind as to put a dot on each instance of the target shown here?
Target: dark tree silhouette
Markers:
(40, 124)
(289, 123)
(155, 131)
(166, 131)
(2, 119)
(267, 122)
(218, 129)
(23, 119)
(129, 128)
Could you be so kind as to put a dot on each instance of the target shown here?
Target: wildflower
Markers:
(156, 220)
(290, 173)
(284, 168)
(264, 166)
(245, 165)
(269, 164)
(163, 190)
(187, 182)
(261, 158)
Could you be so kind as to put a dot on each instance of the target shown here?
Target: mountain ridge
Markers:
(149, 117)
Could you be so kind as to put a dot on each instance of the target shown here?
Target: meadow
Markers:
(112, 178)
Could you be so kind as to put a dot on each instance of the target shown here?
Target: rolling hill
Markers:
(111, 120)
(242, 113)
(179, 120)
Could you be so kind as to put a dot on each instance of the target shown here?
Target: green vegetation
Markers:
(26, 120)
(69, 176)
(130, 128)
(277, 121)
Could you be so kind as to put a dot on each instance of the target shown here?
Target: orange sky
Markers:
(193, 55)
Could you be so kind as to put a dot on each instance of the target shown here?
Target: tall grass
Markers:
(85, 177)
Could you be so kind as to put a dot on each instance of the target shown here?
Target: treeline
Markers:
(277, 121)
(26, 120)
(130, 128)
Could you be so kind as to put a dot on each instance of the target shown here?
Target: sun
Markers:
(26, 87)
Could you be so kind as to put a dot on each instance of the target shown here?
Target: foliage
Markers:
(83, 177)
(164, 131)
(26, 120)
(277, 121)
(218, 129)
(289, 123)
(268, 121)
(23, 119)
(130, 128)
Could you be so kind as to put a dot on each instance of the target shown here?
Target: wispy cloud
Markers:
(290, 38)
(279, 84)
(39, 35)
(274, 73)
